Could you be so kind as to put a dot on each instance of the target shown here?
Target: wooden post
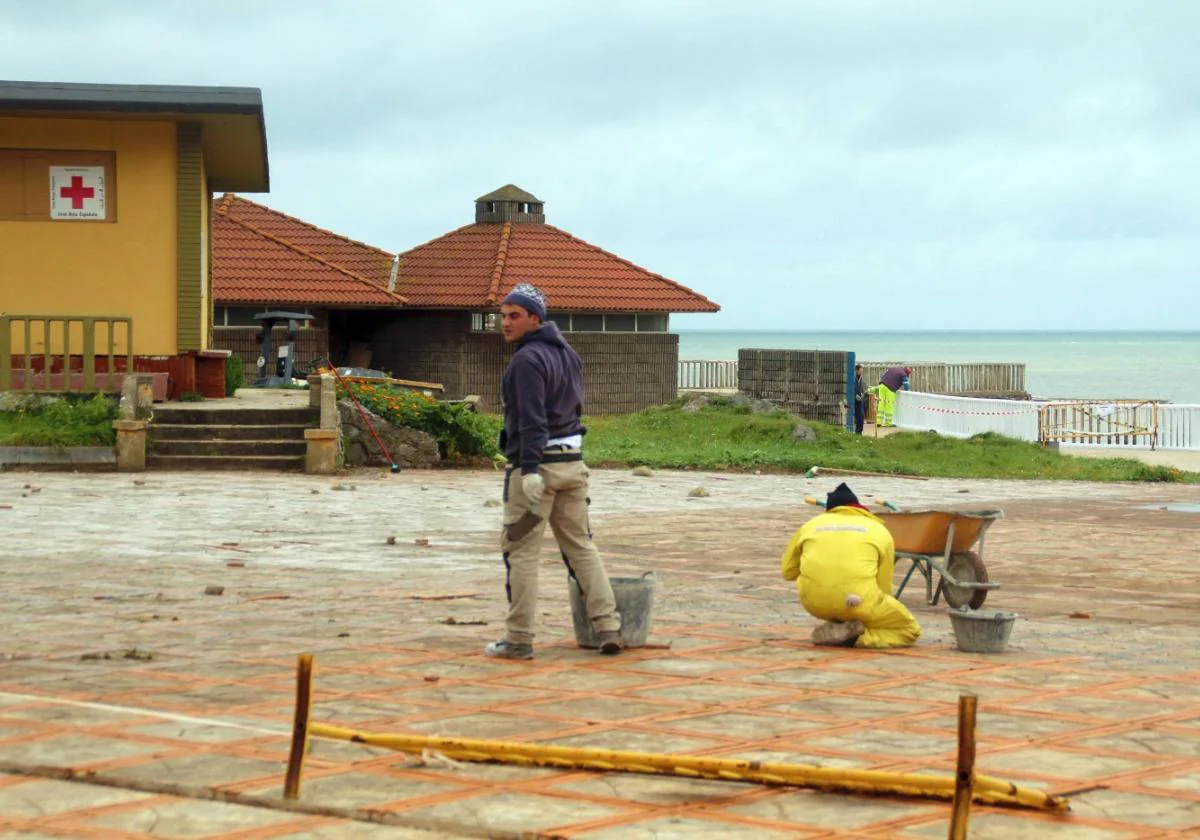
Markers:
(964, 778)
(291, 784)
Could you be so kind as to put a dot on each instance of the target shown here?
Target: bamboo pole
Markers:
(964, 777)
(300, 726)
(987, 789)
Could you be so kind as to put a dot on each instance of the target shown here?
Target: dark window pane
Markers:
(620, 323)
(243, 316)
(587, 323)
(652, 322)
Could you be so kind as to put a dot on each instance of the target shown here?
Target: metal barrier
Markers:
(708, 375)
(1001, 379)
(957, 378)
(55, 336)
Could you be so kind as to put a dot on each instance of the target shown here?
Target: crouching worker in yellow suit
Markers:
(844, 560)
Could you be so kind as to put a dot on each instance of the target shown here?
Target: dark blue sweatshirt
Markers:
(542, 392)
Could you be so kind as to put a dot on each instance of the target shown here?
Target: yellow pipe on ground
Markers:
(987, 790)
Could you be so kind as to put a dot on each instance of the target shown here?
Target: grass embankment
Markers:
(728, 437)
(70, 421)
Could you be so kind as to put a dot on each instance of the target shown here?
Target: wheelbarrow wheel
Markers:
(967, 567)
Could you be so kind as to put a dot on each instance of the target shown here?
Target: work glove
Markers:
(532, 486)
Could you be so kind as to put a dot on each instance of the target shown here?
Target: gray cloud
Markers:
(836, 164)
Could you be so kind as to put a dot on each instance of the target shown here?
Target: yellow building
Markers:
(105, 202)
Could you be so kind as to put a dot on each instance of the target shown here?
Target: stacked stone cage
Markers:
(809, 383)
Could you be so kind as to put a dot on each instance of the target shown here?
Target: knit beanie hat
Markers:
(530, 297)
(840, 497)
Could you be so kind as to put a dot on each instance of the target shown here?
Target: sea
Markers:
(1058, 365)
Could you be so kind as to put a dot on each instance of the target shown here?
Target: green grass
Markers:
(725, 437)
(66, 422)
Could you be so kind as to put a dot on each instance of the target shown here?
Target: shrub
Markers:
(459, 431)
(68, 421)
(235, 375)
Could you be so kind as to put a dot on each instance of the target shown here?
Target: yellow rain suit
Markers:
(843, 552)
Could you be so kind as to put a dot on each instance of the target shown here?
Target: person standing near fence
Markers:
(860, 400)
(894, 379)
(546, 479)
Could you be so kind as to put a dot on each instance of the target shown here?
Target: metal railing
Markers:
(708, 374)
(974, 378)
(1114, 423)
(51, 366)
(957, 378)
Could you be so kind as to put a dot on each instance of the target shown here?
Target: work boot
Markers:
(504, 649)
(838, 633)
(610, 642)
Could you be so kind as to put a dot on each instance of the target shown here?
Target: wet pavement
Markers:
(114, 661)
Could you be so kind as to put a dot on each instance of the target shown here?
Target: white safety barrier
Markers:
(1116, 424)
(963, 417)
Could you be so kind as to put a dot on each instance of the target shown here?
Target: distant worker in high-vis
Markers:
(893, 379)
(843, 561)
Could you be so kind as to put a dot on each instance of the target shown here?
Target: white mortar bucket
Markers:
(982, 631)
(635, 603)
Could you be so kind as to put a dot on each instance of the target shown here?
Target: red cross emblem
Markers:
(77, 192)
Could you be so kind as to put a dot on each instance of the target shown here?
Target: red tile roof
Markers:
(263, 256)
(476, 265)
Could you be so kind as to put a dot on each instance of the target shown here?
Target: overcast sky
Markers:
(809, 165)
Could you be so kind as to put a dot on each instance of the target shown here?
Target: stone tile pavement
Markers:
(113, 661)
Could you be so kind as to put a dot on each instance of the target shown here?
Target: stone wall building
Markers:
(441, 323)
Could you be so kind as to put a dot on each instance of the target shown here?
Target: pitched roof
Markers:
(263, 256)
(354, 256)
(476, 265)
(509, 192)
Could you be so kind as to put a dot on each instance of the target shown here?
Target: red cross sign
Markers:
(77, 192)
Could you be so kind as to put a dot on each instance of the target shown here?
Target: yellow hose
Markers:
(987, 789)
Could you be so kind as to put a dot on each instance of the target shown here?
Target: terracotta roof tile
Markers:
(356, 257)
(251, 265)
(476, 265)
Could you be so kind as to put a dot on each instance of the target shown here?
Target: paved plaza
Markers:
(115, 662)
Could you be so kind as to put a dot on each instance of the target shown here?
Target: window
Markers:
(620, 323)
(43, 185)
(586, 322)
(610, 322)
(243, 316)
(485, 322)
(652, 322)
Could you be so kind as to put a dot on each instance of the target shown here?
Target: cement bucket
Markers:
(982, 631)
(635, 603)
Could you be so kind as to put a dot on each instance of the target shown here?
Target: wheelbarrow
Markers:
(947, 542)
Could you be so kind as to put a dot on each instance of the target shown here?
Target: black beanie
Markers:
(841, 495)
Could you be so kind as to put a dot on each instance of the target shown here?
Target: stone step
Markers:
(224, 462)
(227, 448)
(192, 431)
(235, 416)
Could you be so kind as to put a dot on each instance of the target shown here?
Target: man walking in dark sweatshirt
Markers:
(546, 479)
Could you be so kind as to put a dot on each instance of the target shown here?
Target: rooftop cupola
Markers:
(510, 203)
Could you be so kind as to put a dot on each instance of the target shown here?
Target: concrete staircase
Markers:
(226, 438)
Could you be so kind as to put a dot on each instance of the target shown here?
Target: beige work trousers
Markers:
(565, 506)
